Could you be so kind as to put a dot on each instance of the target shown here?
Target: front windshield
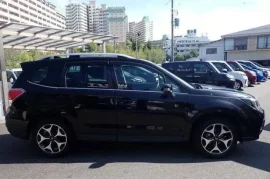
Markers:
(257, 64)
(220, 66)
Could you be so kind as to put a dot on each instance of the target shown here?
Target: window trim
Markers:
(234, 49)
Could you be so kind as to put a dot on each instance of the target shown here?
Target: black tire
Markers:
(64, 131)
(199, 143)
(238, 85)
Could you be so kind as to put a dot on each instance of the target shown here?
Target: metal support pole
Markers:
(114, 45)
(4, 83)
(172, 44)
(104, 47)
(136, 46)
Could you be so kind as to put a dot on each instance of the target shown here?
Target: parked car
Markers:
(200, 72)
(259, 73)
(252, 65)
(241, 79)
(87, 97)
(263, 67)
(13, 74)
(252, 77)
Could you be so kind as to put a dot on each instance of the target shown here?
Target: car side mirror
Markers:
(11, 80)
(167, 91)
(224, 70)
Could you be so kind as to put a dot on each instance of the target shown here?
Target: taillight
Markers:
(15, 93)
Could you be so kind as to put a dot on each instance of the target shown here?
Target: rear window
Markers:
(43, 73)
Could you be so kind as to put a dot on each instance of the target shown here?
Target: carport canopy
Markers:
(30, 37)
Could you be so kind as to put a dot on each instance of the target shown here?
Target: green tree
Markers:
(128, 44)
(194, 53)
(187, 56)
(77, 50)
(92, 47)
(179, 57)
(149, 45)
(109, 48)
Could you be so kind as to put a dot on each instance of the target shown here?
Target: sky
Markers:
(212, 17)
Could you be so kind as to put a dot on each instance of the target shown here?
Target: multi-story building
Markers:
(118, 23)
(76, 17)
(251, 44)
(184, 44)
(144, 28)
(34, 12)
(98, 18)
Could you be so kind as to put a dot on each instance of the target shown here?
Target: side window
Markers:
(86, 76)
(40, 76)
(96, 76)
(135, 77)
(10, 75)
(201, 68)
(74, 76)
(182, 68)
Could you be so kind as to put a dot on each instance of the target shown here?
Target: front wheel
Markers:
(215, 138)
(237, 85)
(52, 138)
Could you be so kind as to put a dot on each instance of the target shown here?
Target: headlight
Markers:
(253, 73)
(251, 102)
(229, 76)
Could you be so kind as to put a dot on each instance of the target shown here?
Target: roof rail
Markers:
(83, 55)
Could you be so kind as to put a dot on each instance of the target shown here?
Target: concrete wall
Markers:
(219, 45)
(249, 55)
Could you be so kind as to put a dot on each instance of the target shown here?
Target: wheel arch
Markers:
(34, 120)
(235, 119)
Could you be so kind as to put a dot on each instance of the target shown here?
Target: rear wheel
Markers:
(215, 138)
(52, 138)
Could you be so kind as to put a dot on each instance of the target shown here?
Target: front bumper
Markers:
(245, 81)
(16, 126)
(255, 127)
(252, 79)
(227, 83)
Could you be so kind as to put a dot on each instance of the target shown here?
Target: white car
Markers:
(241, 79)
(13, 74)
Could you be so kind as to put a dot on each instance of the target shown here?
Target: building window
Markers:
(211, 51)
(236, 44)
(263, 42)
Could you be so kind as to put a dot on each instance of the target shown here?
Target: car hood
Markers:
(220, 91)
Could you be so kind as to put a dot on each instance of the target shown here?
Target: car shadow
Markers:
(15, 151)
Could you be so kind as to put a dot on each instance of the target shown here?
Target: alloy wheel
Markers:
(51, 138)
(217, 139)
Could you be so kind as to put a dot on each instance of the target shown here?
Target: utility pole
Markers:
(172, 44)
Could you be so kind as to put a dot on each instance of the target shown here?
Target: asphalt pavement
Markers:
(137, 160)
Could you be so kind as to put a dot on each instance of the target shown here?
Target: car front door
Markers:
(203, 73)
(88, 100)
(142, 113)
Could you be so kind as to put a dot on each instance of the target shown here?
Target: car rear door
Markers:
(87, 99)
(142, 114)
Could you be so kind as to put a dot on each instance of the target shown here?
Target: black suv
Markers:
(200, 72)
(111, 97)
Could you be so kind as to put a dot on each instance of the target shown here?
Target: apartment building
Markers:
(98, 18)
(34, 12)
(251, 44)
(184, 44)
(144, 28)
(118, 23)
(77, 17)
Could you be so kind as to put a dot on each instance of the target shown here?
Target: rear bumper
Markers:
(16, 126)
